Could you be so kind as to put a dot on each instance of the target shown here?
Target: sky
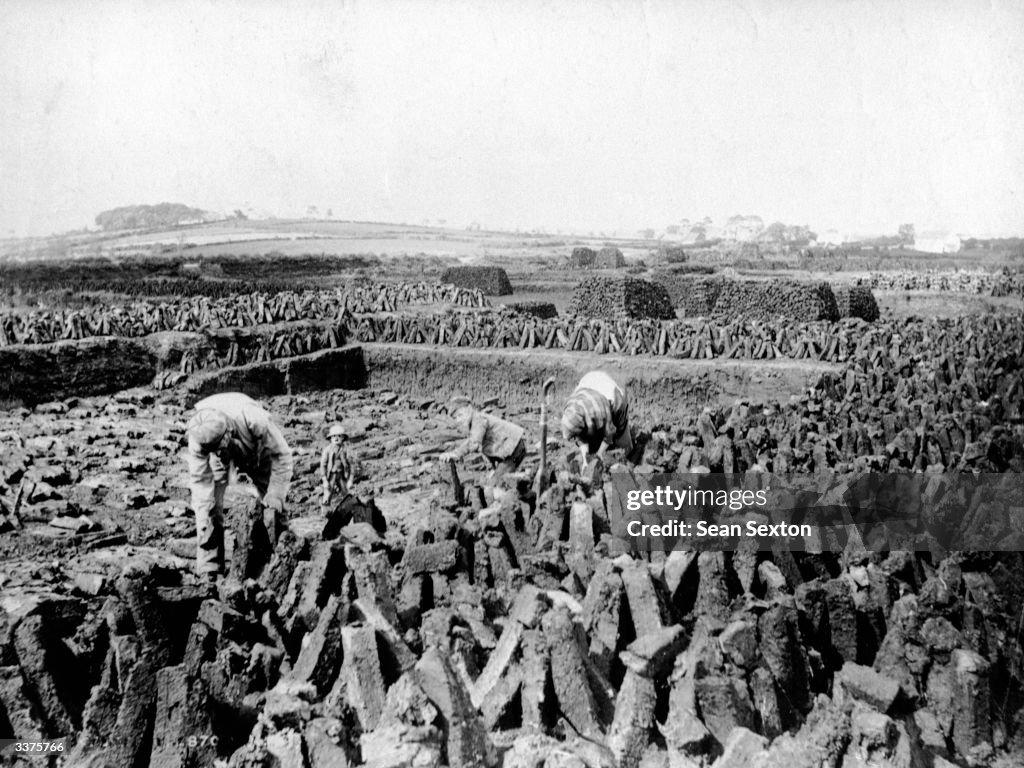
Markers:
(604, 115)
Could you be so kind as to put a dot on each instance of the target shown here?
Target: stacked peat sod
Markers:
(618, 298)
(244, 346)
(842, 342)
(491, 281)
(582, 258)
(912, 341)
(200, 314)
(726, 300)
(587, 258)
(856, 301)
(542, 309)
(669, 254)
(1003, 283)
(776, 299)
(1009, 284)
(692, 295)
(900, 404)
(609, 258)
(522, 631)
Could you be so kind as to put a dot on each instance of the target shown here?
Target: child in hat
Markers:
(335, 468)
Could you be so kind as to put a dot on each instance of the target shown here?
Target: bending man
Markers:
(596, 416)
(233, 430)
(502, 442)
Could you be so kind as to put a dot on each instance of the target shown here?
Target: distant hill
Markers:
(149, 216)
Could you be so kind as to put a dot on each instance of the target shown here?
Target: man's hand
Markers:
(584, 455)
(273, 516)
(274, 504)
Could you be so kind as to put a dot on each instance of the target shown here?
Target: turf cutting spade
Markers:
(542, 470)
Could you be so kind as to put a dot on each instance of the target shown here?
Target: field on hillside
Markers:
(353, 238)
(282, 236)
(258, 255)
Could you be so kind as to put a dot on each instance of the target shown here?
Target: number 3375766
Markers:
(38, 746)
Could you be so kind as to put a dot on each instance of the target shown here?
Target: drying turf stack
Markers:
(610, 258)
(670, 254)
(493, 281)
(856, 301)
(780, 299)
(583, 257)
(615, 298)
(692, 295)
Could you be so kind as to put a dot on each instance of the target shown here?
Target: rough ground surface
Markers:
(460, 637)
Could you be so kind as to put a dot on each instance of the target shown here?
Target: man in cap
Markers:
(335, 467)
(233, 430)
(502, 442)
(596, 416)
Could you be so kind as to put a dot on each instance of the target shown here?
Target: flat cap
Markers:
(207, 428)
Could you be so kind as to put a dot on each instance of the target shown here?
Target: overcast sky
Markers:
(613, 114)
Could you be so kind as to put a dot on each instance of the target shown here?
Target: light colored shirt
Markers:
(603, 384)
(255, 442)
(605, 408)
(493, 437)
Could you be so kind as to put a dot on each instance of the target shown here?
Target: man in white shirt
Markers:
(232, 429)
(502, 442)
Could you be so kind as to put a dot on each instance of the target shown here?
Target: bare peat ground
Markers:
(119, 460)
(539, 648)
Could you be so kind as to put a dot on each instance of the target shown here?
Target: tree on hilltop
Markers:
(149, 216)
(775, 232)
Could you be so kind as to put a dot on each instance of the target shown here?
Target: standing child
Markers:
(335, 467)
